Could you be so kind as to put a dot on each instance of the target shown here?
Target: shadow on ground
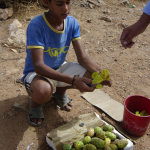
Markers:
(14, 127)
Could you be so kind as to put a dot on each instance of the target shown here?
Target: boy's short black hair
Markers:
(49, 0)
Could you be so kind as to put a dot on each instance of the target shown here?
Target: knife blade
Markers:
(91, 85)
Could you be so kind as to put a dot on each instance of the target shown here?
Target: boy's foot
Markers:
(63, 101)
(36, 116)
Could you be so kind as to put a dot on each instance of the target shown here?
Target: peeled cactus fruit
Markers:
(87, 140)
(101, 135)
(99, 78)
(122, 143)
(95, 74)
(97, 129)
(110, 135)
(90, 147)
(113, 147)
(95, 81)
(99, 86)
(143, 113)
(107, 141)
(66, 147)
(97, 142)
(78, 145)
(90, 132)
(107, 147)
(137, 113)
(105, 74)
(108, 128)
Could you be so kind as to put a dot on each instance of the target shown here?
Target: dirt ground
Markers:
(129, 69)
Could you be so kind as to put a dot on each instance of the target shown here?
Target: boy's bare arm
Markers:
(44, 70)
(84, 59)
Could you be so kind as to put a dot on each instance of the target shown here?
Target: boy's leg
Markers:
(70, 68)
(62, 91)
(40, 92)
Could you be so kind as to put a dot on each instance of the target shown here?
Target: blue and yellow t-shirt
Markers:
(55, 44)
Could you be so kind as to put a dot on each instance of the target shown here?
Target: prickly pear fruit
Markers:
(101, 135)
(115, 141)
(78, 145)
(97, 129)
(108, 128)
(107, 147)
(113, 147)
(122, 143)
(105, 74)
(143, 113)
(110, 135)
(97, 142)
(95, 74)
(87, 140)
(107, 141)
(66, 147)
(90, 147)
(90, 132)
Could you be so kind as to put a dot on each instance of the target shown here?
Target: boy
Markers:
(46, 72)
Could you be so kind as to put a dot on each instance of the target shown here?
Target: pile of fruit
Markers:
(98, 138)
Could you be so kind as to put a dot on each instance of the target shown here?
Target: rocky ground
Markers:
(101, 27)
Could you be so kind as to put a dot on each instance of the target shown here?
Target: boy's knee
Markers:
(42, 93)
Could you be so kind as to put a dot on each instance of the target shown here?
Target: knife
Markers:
(91, 85)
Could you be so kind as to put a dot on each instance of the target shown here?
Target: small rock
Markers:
(125, 2)
(81, 124)
(19, 107)
(123, 25)
(103, 115)
(106, 19)
(11, 113)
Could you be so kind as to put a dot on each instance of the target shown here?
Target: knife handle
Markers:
(90, 85)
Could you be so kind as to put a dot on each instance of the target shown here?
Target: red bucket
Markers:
(133, 124)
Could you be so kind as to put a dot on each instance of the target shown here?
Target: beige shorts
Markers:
(67, 68)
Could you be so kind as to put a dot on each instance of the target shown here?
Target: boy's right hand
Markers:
(81, 84)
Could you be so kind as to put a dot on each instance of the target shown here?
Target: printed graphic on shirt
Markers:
(54, 52)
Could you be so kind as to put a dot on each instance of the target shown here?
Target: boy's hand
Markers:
(80, 84)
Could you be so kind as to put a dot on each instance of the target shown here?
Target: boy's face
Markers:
(58, 8)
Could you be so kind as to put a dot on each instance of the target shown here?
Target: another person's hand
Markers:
(132, 31)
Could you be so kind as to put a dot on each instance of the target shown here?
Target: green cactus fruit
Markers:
(110, 135)
(101, 135)
(115, 141)
(113, 147)
(78, 145)
(66, 147)
(108, 128)
(107, 147)
(122, 143)
(74, 149)
(107, 141)
(99, 143)
(90, 132)
(90, 147)
(97, 129)
(87, 140)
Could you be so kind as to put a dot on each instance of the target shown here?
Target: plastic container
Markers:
(133, 124)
